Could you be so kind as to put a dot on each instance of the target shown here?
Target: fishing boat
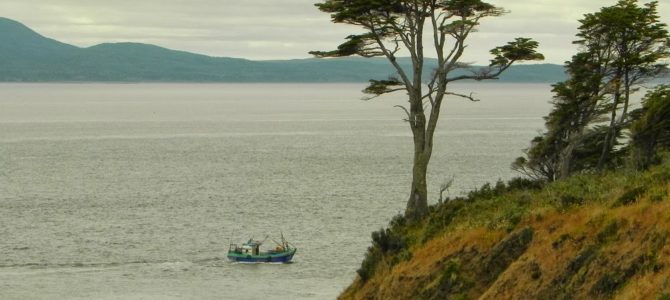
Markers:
(250, 252)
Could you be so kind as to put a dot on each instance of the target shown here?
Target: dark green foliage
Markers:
(559, 242)
(369, 264)
(562, 287)
(441, 217)
(658, 196)
(650, 133)
(522, 184)
(553, 154)
(664, 297)
(630, 196)
(513, 218)
(387, 240)
(379, 87)
(609, 232)
(535, 271)
(506, 252)
(583, 259)
(636, 46)
(662, 176)
(453, 282)
(397, 222)
(362, 44)
(519, 49)
(612, 281)
(621, 47)
(568, 200)
(488, 192)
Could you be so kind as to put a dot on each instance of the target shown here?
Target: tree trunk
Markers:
(626, 98)
(565, 160)
(608, 143)
(417, 204)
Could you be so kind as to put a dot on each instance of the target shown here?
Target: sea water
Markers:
(135, 191)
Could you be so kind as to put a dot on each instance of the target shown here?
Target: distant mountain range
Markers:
(26, 56)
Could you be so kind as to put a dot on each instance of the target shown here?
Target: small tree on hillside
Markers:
(392, 25)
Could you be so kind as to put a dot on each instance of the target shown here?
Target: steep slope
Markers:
(25, 53)
(590, 237)
(16, 36)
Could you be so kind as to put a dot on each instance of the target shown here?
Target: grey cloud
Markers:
(281, 29)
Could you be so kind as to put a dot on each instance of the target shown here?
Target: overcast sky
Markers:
(279, 29)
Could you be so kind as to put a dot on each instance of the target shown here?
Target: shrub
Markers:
(568, 200)
(630, 196)
(453, 283)
(514, 218)
(372, 258)
(441, 218)
(609, 231)
(384, 241)
(658, 195)
(650, 132)
(519, 183)
(488, 192)
(387, 241)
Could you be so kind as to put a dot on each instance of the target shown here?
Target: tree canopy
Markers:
(392, 26)
(621, 47)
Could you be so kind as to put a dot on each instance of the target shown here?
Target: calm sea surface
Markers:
(134, 191)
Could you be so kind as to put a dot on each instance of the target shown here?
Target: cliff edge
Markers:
(588, 237)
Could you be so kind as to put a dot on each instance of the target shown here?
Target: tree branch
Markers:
(406, 112)
(469, 97)
(391, 57)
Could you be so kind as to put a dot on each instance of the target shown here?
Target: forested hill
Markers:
(26, 56)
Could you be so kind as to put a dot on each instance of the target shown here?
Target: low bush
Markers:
(387, 241)
(630, 196)
(519, 183)
(369, 264)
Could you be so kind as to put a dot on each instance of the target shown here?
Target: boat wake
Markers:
(81, 264)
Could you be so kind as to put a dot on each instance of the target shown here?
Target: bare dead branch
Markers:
(469, 97)
(445, 187)
(406, 111)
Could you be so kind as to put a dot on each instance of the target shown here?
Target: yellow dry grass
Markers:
(558, 238)
(628, 248)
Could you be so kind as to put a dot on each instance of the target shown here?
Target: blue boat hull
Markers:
(284, 257)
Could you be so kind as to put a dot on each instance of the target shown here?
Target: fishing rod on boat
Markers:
(283, 240)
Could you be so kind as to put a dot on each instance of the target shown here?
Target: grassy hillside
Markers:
(589, 237)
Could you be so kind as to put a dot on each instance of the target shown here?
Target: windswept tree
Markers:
(633, 44)
(621, 47)
(577, 103)
(390, 26)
